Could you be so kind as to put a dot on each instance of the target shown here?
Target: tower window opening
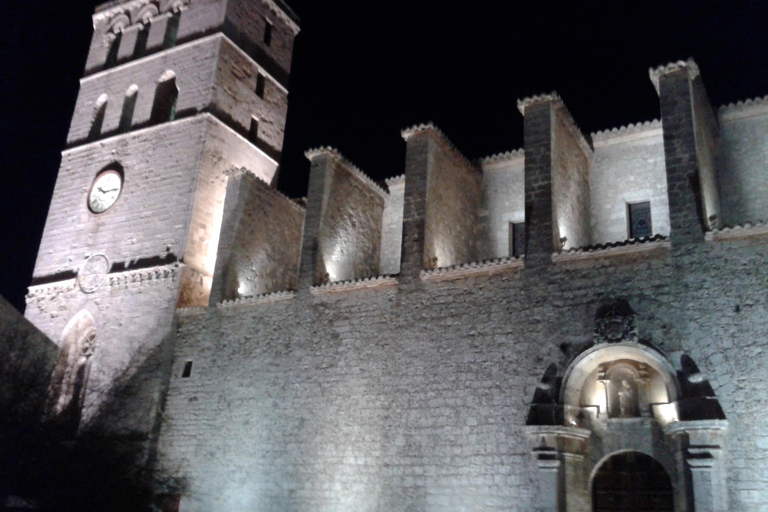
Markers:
(187, 372)
(268, 33)
(517, 239)
(172, 31)
(166, 96)
(253, 133)
(99, 112)
(141, 41)
(639, 217)
(260, 82)
(129, 106)
(114, 49)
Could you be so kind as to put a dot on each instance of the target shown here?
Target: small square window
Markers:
(639, 216)
(187, 370)
(260, 82)
(268, 33)
(517, 239)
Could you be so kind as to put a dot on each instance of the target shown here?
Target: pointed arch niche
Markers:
(624, 396)
(70, 375)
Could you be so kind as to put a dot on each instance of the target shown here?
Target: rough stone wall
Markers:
(134, 316)
(503, 203)
(260, 243)
(350, 229)
(392, 228)
(741, 166)
(414, 397)
(570, 183)
(453, 200)
(149, 217)
(235, 99)
(627, 168)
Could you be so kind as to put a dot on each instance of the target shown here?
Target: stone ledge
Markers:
(631, 131)
(395, 181)
(741, 109)
(631, 246)
(190, 311)
(248, 174)
(584, 141)
(356, 171)
(745, 230)
(357, 284)
(48, 289)
(430, 127)
(266, 298)
(470, 269)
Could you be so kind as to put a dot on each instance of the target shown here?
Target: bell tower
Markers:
(175, 92)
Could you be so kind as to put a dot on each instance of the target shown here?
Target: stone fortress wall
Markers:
(403, 347)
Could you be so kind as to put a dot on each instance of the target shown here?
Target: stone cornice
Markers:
(627, 132)
(439, 135)
(117, 279)
(745, 230)
(559, 104)
(741, 109)
(689, 65)
(356, 171)
(470, 269)
(357, 284)
(631, 246)
(105, 12)
(258, 299)
(502, 157)
(248, 174)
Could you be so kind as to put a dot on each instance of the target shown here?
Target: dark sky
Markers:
(362, 71)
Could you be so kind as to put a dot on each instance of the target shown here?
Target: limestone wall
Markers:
(741, 165)
(414, 397)
(259, 249)
(503, 202)
(453, 200)
(628, 168)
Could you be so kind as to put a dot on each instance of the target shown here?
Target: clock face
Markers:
(104, 191)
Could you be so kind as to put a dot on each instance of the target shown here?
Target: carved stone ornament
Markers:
(93, 273)
(615, 322)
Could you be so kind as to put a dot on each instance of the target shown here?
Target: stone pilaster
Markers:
(690, 138)
(414, 205)
(321, 165)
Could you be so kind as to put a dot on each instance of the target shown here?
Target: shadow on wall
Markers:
(103, 466)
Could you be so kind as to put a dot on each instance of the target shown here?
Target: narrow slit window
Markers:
(114, 48)
(141, 42)
(253, 133)
(517, 239)
(99, 112)
(172, 31)
(166, 95)
(268, 33)
(639, 216)
(260, 82)
(129, 106)
(187, 372)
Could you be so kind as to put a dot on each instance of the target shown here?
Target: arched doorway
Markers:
(631, 482)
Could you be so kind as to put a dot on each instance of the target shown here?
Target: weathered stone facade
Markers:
(382, 349)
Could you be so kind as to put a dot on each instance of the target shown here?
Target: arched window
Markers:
(129, 105)
(70, 376)
(166, 95)
(99, 111)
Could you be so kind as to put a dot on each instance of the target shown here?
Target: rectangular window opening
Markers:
(141, 42)
(639, 219)
(268, 33)
(253, 133)
(517, 239)
(172, 31)
(260, 85)
(187, 370)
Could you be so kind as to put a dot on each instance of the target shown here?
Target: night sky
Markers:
(362, 71)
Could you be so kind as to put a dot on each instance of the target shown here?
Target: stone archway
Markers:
(632, 482)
